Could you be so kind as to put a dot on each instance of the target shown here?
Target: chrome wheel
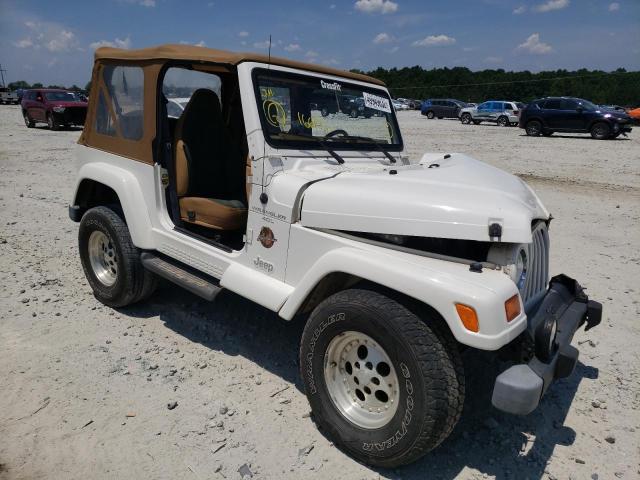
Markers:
(103, 258)
(361, 380)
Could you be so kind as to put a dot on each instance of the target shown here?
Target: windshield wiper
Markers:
(375, 142)
(324, 145)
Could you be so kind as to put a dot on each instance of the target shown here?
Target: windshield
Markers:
(302, 111)
(61, 97)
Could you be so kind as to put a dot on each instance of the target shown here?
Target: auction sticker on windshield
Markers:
(376, 102)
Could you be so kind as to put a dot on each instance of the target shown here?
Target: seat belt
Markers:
(169, 163)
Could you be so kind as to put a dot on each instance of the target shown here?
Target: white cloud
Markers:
(50, 36)
(292, 47)
(261, 45)
(60, 42)
(382, 38)
(534, 46)
(520, 10)
(243, 33)
(311, 54)
(117, 43)
(614, 7)
(24, 43)
(143, 3)
(551, 5)
(376, 6)
(435, 41)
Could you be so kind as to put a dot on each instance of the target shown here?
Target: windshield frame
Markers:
(320, 143)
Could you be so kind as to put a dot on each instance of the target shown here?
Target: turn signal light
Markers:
(468, 317)
(512, 307)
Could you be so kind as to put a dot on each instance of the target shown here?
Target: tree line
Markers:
(21, 84)
(619, 87)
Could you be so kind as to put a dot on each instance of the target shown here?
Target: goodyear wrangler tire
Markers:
(110, 260)
(385, 385)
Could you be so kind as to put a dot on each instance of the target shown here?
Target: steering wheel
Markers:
(339, 131)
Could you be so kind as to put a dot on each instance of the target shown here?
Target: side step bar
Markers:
(186, 277)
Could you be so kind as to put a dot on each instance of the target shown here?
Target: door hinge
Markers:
(164, 177)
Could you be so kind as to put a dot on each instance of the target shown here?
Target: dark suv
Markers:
(52, 106)
(442, 107)
(575, 115)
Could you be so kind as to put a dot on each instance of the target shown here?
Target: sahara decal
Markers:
(266, 237)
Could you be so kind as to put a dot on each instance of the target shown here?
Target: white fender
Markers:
(437, 283)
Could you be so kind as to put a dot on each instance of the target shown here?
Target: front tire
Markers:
(386, 386)
(51, 122)
(600, 131)
(430, 115)
(465, 118)
(110, 260)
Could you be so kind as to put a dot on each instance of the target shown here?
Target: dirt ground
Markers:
(84, 389)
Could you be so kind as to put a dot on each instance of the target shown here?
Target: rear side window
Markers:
(569, 104)
(104, 120)
(508, 106)
(125, 86)
(553, 104)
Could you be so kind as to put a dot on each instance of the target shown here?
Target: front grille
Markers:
(537, 263)
(75, 115)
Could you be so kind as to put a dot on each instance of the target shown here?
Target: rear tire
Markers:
(110, 260)
(465, 118)
(27, 120)
(503, 121)
(533, 128)
(424, 370)
(430, 115)
(600, 131)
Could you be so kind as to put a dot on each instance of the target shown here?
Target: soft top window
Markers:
(125, 86)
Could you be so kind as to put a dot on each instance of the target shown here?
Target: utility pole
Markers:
(2, 72)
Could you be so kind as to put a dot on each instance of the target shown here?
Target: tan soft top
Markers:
(191, 52)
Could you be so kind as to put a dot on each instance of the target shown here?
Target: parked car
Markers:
(55, 107)
(635, 115)
(395, 266)
(411, 103)
(175, 106)
(497, 111)
(442, 108)
(8, 96)
(574, 115)
(400, 105)
(617, 108)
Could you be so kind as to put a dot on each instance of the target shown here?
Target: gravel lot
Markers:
(84, 388)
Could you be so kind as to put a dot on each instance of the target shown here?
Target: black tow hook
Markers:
(594, 315)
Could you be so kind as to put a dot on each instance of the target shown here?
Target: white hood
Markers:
(459, 199)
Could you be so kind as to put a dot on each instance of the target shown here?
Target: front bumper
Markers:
(518, 389)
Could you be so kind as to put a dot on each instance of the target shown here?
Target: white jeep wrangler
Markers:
(396, 264)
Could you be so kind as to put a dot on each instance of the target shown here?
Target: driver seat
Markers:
(205, 167)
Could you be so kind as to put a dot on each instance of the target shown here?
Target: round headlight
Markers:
(520, 276)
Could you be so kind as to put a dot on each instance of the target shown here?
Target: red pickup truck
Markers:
(52, 106)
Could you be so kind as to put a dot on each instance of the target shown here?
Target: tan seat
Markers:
(206, 167)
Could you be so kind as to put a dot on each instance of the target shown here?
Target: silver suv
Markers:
(504, 113)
